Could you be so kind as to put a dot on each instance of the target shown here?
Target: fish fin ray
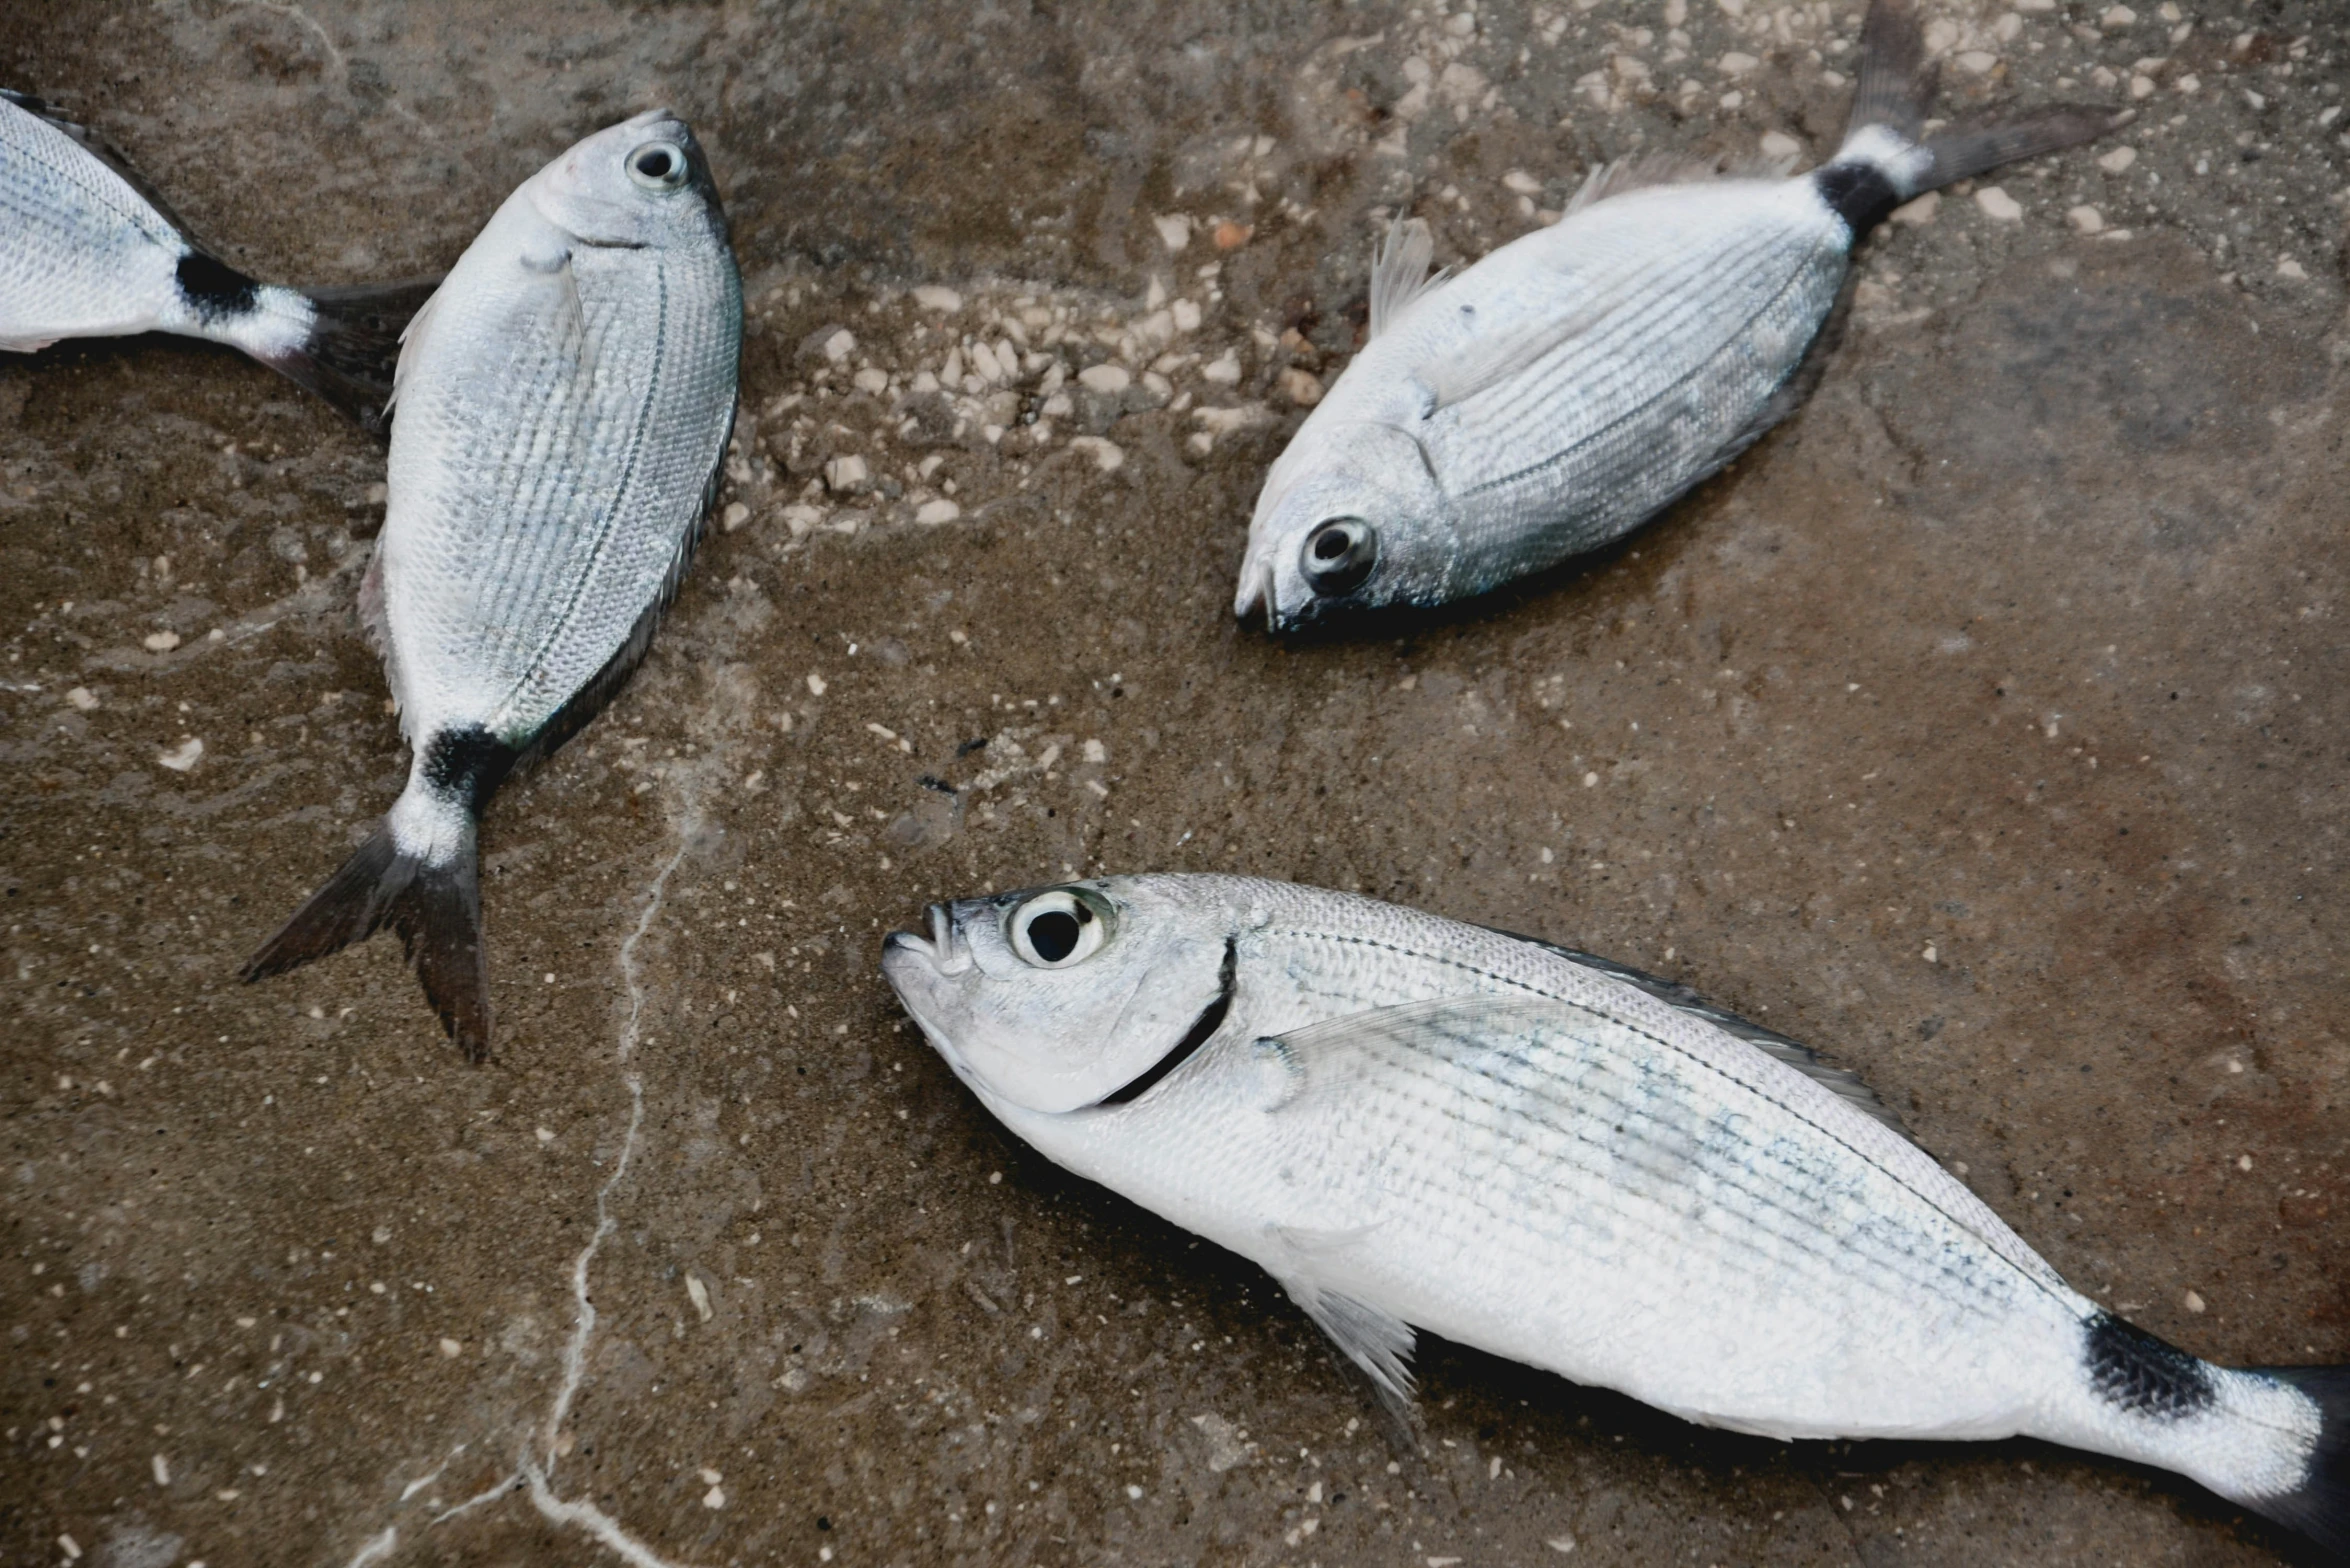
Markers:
(435, 908)
(1488, 359)
(1847, 1084)
(1399, 271)
(1378, 1342)
(2320, 1506)
(1897, 80)
(352, 353)
(1650, 170)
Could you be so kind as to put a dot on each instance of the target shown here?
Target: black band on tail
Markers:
(1861, 193)
(214, 290)
(469, 764)
(2145, 1376)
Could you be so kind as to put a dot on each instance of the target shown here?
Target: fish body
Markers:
(87, 249)
(1415, 1123)
(564, 405)
(1578, 380)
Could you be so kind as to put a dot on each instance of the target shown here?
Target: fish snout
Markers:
(943, 950)
(1259, 590)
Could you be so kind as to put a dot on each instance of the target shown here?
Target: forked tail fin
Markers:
(431, 898)
(354, 346)
(1883, 162)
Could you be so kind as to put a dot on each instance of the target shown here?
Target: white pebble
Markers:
(1302, 387)
(871, 379)
(1998, 205)
(1917, 214)
(714, 1498)
(2087, 219)
(1186, 314)
(1977, 62)
(846, 473)
(734, 517)
(2118, 16)
(2193, 1302)
(183, 756)
(83, 698)
(2118, 160)
(2141, 86)
(1107, 455)
(1736, 64)
(1095, 751)
(699, 1294)
(2287, 267)
(815, 685)
(1109, 380)
(1225, 369)
(931, 296)
(162, 1468)
(161, 642)
(1174, 230)
(451, 1348)
(935, 512)
(840, 345)
(1523, 183)
(1778, 144)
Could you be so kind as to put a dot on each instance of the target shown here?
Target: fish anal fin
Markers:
(1377, 1341)
(1399, 271)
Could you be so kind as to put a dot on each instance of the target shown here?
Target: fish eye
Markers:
(1338, 555)
(658, 166)
(1057, 928)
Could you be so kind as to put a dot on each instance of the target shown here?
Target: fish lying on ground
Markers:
(1410, 1121)
(564, 406)
(1579, 379)
(88, 250)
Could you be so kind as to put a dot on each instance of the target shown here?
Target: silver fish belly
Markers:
(1578, 380)
(563, 405)
(88, 249)
(1416, 1123)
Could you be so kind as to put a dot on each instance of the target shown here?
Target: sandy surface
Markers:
(1976, 727)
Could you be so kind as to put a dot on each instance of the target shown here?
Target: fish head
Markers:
(1050, 1000)
(642, 183)
(1350, 519)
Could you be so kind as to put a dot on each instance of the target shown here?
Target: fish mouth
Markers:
(942, 949)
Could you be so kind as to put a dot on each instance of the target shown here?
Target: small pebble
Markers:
(840, 345)
(161, 642)
(1998, 205)
(2118, 160)
(935, 512)
(735, 516)
(1231, 236)
(183, 756)
(932, 297)
(2087, 219)
(1108, 380)
(452, 1348)
(2193, 1302)
(83, 698)
(1174, 230)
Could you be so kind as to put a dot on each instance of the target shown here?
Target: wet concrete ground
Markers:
(1983, 726)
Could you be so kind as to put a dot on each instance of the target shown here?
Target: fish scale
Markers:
(1415, 1124)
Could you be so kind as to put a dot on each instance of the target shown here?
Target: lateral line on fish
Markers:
(1667, 1045)
(1639, 410)
(604, 530)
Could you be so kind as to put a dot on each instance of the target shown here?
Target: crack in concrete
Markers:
(535, 1468)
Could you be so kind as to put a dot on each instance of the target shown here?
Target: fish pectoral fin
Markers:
(1399, 271)
(1375, 1340)
(1490, 358)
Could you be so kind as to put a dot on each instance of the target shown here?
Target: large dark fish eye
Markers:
(1057, 928)
(1338, 556)
(658, 166)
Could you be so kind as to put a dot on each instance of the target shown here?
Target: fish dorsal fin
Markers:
(1627, 175)
(1399, 271)
(98, 147)
(1845, 1082)
(1376, 1340)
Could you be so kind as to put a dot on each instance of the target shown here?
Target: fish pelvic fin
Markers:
(1377, 1341)
(1883, 162)
(2320, 1506)
(353, 346)
(418, 873)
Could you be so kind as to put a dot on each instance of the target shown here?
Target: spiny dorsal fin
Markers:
(1399, 271)
(1626, 175)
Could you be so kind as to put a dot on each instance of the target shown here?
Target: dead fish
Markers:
(1415, 1123)
(89, 250)
(1577, 381)
(564, 406)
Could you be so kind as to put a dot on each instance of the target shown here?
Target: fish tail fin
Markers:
(1886, 159)
(2319, 1506)
(353, 346)
(418, 873)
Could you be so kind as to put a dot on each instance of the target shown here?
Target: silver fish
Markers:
(89, 250)
(564, 405)
(1413, 1122)
(1578, 380)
